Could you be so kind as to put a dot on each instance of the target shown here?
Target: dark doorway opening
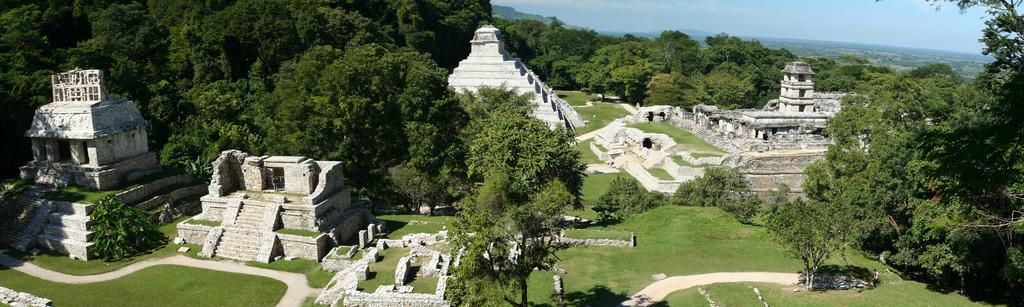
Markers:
(650, 116)
(648, 143)
(276, 178)
(63, 150)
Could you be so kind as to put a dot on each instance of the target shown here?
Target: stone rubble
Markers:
(16, 299)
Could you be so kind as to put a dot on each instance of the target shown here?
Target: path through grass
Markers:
(896, 293)
(599, 115)
(162, 285)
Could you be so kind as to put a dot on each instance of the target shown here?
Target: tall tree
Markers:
(811, 232)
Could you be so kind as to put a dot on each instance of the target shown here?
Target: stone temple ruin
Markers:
(262, 207)
(85, 138)
(774, 145)
(770, 146)
(422, 258)
(490, 65)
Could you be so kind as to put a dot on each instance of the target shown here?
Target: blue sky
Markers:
(908, 23)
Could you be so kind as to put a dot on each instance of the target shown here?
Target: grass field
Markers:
(895, 293)
(78, 194)
(597, 234)
(586, 155)
(575, 98)
(383, 272)
(162, 285)
(315, 275)
(399, 225)
(686, 140)
(660, 173)
(691, 240)
(599, 115)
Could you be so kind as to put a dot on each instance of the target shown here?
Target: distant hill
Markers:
(900, 58)
(511, 13)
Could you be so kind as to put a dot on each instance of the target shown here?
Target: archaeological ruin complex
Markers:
(86, 138)
(770, 146)
(262, 207)
(490, 65)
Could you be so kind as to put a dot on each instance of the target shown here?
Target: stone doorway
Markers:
(276, 179)
(648, 143)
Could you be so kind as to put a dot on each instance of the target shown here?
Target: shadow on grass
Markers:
(597, 296)
(393, 225)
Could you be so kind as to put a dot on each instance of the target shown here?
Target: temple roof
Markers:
(798, 68)
(82, 110)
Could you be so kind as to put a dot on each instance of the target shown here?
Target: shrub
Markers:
(122, 231)
(624, 198)
(720, 187)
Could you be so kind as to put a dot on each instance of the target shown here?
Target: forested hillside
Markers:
(928, 167)
(357, 81)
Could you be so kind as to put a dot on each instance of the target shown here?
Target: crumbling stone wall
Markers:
(139, 193)
(14, 298)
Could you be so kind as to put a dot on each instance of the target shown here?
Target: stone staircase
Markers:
(22, 216)
(67, 230)
(243, 237)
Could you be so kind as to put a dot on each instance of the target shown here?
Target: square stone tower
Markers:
(797, 88)
(85, 138)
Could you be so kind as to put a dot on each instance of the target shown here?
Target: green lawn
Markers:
(315, 275)
(162, 285)
(691, 240)
(575, 98)
(597, 234)
(399, 225)
(660, 173)
(599, 115)
(78, 194)
(595, 185)
(686, 140)
(383, 271)
(586, 155)
(672, 240)
(895, 293)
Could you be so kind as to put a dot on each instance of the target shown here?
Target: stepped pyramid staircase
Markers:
(22, 216)
(244, 234)
(68, 230)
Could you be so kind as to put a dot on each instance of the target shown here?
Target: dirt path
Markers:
(658, 290)
(298, 288)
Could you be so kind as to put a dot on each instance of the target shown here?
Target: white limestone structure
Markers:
(794, 121)
(490, 65)
(770, 146)
(775, 144)
(86, 138)
(262, 207)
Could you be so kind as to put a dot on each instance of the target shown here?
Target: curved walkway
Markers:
(298, 289)
(658, 290)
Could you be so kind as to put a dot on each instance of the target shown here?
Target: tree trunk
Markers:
(810, 280)
(522, 295)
